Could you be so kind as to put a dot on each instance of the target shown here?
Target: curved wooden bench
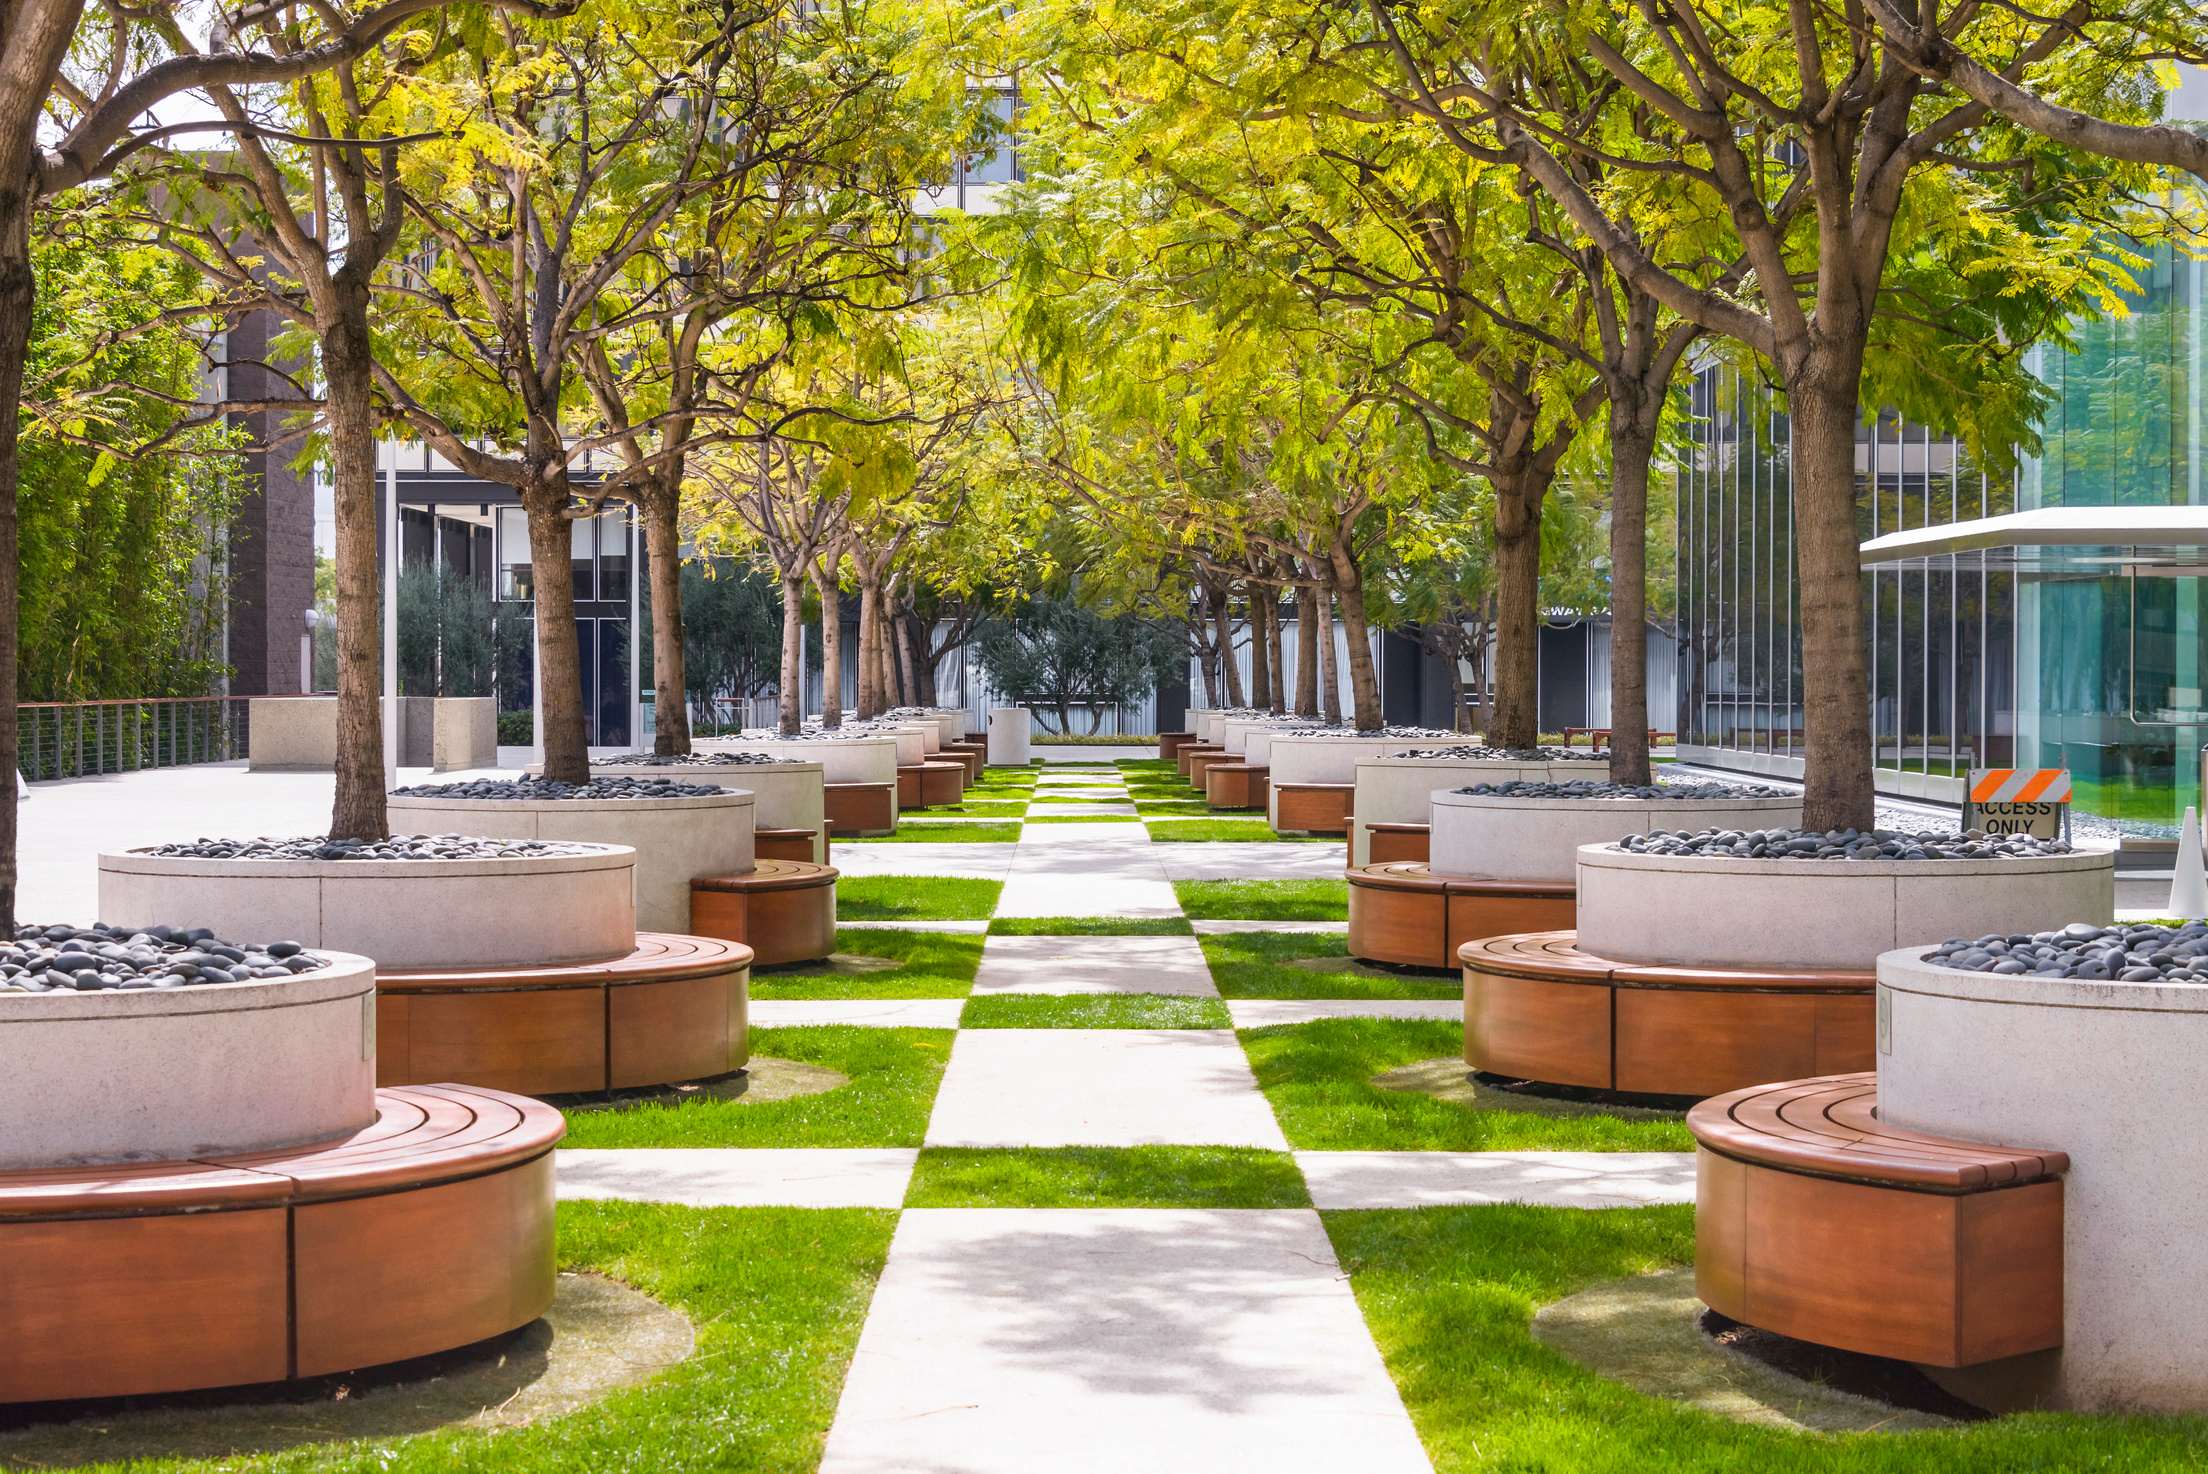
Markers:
(1171, 743)
(1188, 754)
(1538, 1008)
(1816, 1220)
(784, 911)
(787, 844)
(428, 1230)
(970, 762)
(1313, 808)
(1396, 844)
(1202, 760)
(1236, 785)
(857, 809)
(929, 785)
(674, 1009)
(1401, 912)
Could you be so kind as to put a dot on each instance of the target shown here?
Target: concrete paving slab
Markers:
(1047, 878)
(1094, 965)
(719, 1177)
(1258, 1013)
(1100, 1087)
(964, 928)
(1082, 811)
(1131, 833)
(1100, 1341)
(1228, 859)
(1307, 928)
(1545, 1179)
(877, 1013)
(980, 861)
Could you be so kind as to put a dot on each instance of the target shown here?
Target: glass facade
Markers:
(2021, 652)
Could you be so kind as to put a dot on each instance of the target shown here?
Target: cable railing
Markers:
(74, 739)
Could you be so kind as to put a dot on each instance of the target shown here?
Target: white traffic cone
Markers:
(2189, 886)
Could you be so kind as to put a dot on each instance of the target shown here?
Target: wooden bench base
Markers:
(1815, 1220)
(1202, 761)
(930, 785)
(429, 1230)
(1313, 808)
(676, 1008)
(859, 809)
(789, 844)
(784, 911)
(1397, 844)
(1171, 743)
(1186, 757)
(1538, 1008)
(1236, 785)
(970, 761)
(1402, 913)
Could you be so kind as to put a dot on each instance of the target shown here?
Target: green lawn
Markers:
(893, 1073)
(954, 832)
(1257, 964)
(1034, 818)
(1182, 830)
(1450, 1292)
(1093, 1011)
(991, 807)
(1264, 900)
(930, 964)
(1192, 808)
(1089, 926)
(915, 898)
(1318, 1077)
(1106, 1177)
(1133, 765)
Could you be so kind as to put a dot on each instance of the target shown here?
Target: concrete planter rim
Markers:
(726, 798)
(1904, 970)
(1604, 855)
(1450, 798)
(138, 862)
(348, 975)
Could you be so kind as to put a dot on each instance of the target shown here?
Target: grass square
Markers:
(1264, 900)
(920, 964)
(1106, 1177)
(1183, 831)
(915, 898)
(893, 1075)
(955, 831)
(1273, 964)
(1319, 1075)
(1090, 926)
(1093, 1011)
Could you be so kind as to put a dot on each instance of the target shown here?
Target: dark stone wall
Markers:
(272, 535)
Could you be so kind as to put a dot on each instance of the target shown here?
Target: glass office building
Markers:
(2049, 617)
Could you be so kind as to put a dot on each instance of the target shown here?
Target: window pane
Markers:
(613, 554)
(581, 557)
(513, 554)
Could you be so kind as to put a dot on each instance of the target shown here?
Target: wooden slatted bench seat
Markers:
(1402, 913)
(1202, 761)
(784, 910)
(860, 809)
(1312, 808)
(1171, 743)
(1394, 844)
(1816, 1220)
(430, 1229)
(929, 785)
(970, 762)
(676, 1008)
(1186, 757)
(1538, 1008)
(1236, 785)
(786, 844)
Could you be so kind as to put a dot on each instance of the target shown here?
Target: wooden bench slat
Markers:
(658, 957)
(1823, 1127)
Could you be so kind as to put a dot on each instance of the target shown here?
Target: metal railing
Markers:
(70, 739)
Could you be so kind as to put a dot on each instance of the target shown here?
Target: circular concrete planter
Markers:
(927, 735)
(1011, 731)
(1330, 760)
(402, 913)
(841, 759)
(1539, 838)
(676, 840)
(1399, 790)
(2109, 1073)
(1209, 722)
(158, 1074)
(1245, 736)
(1678, 909)
(785, 795)
(950, 721)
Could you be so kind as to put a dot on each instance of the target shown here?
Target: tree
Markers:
(1055, 655)
(732, 620)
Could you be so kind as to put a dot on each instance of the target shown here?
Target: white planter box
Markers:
(1398, 790)
(1539, 838)
(950, 722)
(841, 759)
(402, 913)
(1010, 736)
(1329, 760)
(158, 1074)
(1821, 913)
(1192, 718)
(677, 840)
(1244, 736)
(445, 733)
(2111, 1073)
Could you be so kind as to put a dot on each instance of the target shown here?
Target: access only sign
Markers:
(2018, 801)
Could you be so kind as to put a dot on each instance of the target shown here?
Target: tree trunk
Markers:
(1206, 667)
(1261, 670)
(831, 650)
(1330, 675)
(1517, 715)
(358, 810)
(1223, 611)
(1836, 718)
(17, 290)
(670, 680)
(1273, 645)
(908, 666)
(1632, 444)
(559, 660)
(1364, 682)
(870, 665)
(1307, 651)
(791, 713)
(1455, 666)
